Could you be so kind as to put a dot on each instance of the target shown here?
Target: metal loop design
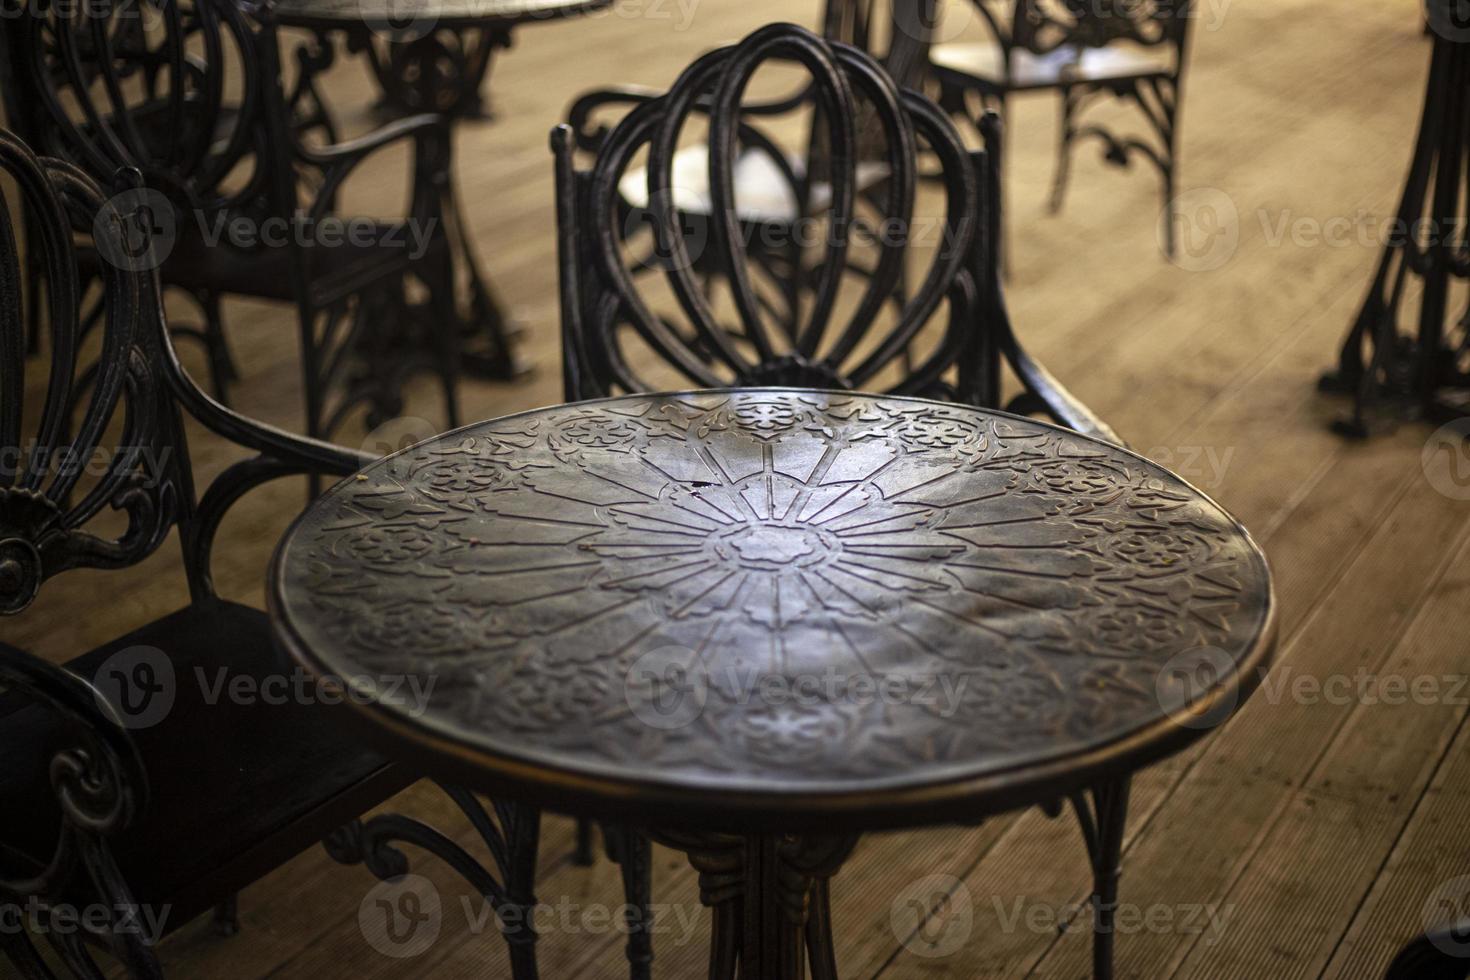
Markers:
(1042, 26)
(141, 83)
(43, 513)
(861, 121)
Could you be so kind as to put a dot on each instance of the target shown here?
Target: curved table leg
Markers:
(1103, 819)
(770, 901)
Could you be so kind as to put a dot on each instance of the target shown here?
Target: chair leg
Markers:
(1171, 140)
(1103, 821)
(820, 948)
(1066, 132)
(584, 856)
(311, 386)
(227, 917)
(447, 338)
(634, 854)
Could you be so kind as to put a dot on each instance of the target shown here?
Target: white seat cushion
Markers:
(1067, 63)
(763, 194)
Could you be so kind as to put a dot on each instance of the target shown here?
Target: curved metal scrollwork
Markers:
(45, 504)
(1041, 26)
(511, 837)
(833, 344)
(141, 83)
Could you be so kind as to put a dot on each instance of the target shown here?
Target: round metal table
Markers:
(760, 623)
(428, 55)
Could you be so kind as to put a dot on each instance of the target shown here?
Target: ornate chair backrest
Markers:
(1042, 26)
(101, 432)
(176, 89)
(839, 340)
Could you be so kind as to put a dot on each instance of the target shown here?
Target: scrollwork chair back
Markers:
(830, 347)
(46, 512)
(170, 88)
(612, 335)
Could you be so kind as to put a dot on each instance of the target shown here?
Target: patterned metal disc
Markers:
(778, 592)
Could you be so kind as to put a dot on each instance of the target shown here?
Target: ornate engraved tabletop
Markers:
(762, 601)
(420, 15)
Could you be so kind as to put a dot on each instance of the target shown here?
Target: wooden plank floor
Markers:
(1308, 836)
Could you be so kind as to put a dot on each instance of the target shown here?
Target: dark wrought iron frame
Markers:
(1423, 372)
(855, 22)
(769, 893)
(99, 776)
(1035, 28)
(351, 353)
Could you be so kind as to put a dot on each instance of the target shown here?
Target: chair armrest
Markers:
(1043, 391)
(580, 112)
(99, 779)
(1052, 397)
(304, 454)
(429, 133)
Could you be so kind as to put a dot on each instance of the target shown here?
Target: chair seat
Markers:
(269, 272)
(1067, 64)
(236, 787)
(763, 193)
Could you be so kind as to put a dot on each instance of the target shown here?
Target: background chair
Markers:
(191, 93)
(125, 786)
(628, 332)
(1081, 49)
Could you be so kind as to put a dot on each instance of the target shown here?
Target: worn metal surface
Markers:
(754, 595)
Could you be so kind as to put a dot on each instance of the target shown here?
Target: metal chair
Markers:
(190, 93)
(846, 336)
(125, 786)
(1081, 49)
